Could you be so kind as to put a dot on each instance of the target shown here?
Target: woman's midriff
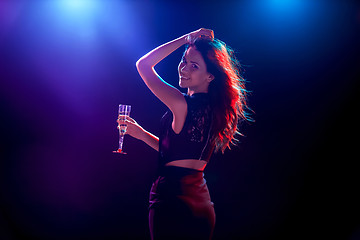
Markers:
(189, 163)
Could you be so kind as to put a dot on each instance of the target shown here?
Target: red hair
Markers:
(227, 91)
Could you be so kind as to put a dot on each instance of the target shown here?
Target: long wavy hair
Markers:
(228, 96)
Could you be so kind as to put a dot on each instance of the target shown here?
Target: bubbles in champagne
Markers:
(122, 129)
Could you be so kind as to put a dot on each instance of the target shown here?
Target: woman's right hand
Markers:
(202, 32)
(133, 128)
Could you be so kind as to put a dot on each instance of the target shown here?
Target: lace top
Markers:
(193, 142)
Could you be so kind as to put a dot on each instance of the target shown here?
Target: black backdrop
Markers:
(293, 175)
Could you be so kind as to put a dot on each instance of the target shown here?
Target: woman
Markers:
(197, 123)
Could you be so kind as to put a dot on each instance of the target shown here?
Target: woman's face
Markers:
(193, 73)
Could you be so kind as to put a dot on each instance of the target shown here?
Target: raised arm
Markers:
(168, 94)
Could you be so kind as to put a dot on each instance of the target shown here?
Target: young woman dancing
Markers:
(197, 123)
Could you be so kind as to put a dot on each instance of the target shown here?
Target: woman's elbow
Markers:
(138, 63)
(142, 64)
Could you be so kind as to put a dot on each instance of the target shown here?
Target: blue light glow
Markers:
(285, 5)
(76, 11)
(78, 5)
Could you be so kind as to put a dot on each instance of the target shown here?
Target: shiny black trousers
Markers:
(180, 206)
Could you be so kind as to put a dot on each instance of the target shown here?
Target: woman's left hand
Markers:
(133, 128)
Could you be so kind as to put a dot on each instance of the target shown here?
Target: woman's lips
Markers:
(184, 78)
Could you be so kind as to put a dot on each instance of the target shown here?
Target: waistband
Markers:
(178, 172)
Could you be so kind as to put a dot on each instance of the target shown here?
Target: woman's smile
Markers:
(184, 78)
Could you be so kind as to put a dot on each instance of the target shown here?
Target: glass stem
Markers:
(121, 140)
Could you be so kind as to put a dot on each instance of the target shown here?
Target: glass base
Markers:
(119, 151)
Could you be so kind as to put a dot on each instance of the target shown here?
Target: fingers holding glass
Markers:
(122, 124)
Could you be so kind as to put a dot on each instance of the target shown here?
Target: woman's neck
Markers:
(192, 92)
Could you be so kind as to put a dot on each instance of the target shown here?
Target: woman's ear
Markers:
(210, 77)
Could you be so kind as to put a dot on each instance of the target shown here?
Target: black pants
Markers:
(180, 205)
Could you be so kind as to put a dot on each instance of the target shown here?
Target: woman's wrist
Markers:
(180, 41)
(143, 135)
(150, 139)
(185, 39)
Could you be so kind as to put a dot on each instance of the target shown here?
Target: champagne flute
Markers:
(124, 110)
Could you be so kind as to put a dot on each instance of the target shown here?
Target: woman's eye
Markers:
(194, 66)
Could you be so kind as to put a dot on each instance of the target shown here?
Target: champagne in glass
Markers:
(124, 110)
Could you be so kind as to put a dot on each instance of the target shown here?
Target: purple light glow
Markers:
(66, 65)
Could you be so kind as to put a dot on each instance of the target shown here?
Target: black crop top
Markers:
(193, 142)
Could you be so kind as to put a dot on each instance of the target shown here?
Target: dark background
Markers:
(66, 65)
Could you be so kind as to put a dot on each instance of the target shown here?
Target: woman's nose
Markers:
(184, 68)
